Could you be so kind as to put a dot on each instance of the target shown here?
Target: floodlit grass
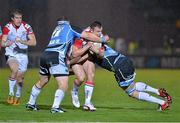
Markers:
(111, 102)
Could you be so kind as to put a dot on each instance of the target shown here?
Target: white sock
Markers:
(89, 86)
(146, 97)
(19, 89)
(143, 87)
(58, 98)
(34, 93)
(12, 83)
(75, 89)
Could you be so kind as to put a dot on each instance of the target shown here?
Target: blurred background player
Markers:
(125, 74)
(84, 69)
(53, 62)
(17, 36)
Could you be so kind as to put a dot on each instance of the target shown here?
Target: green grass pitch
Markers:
(112, 104)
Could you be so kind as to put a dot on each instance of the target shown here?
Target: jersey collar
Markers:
(63, 22)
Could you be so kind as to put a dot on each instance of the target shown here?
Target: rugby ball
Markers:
(97, 45)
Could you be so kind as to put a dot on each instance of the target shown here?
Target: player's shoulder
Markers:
(26, 25)
(76, 28)
(8, 25)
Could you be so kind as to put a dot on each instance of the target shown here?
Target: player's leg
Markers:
(23, 62)
(36, 89)
(125, 76)
(13, 65)
(131, 91)
(61, 74)
(89, 68)
(19, 85)
(59, 94)
(130, 88)
(140, 86)
(80, 76)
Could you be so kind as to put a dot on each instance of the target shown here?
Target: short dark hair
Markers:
(63, 18)
(15, 11)
(95, 24)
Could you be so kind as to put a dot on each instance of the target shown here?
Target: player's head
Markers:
(16, 17)
(62, 20)
(96, 28)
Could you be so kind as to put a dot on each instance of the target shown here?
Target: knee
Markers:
(14, 73)
(41, 83)
(64, 87)
(77, 82)
(140, 86)
(134, 94)
(81, 78)
(92, 75)
(20, 78)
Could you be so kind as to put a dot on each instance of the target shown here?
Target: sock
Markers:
(34, 93)
(75, 89)
(146, 97)
(58, 98)
(19, 89)
(89, 86)
(12, 82)
(143, 87)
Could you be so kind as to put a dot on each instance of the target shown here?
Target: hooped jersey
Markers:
(13, 32)
(62, 38)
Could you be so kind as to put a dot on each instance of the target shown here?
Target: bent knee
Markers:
(64, 87)
(81, 78)
(134, 94)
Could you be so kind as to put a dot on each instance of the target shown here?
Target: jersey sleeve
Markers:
(77, 31)
(5, 31)
(29, 29)
(78, 43)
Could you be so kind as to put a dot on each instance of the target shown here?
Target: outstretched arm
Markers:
(93, 37)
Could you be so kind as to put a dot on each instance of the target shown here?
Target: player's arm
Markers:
(79, 59)
(30, 42)
(80, 51)
(31, 37)
(98, 51)
(4, 42)
(88, 35)
(93, 37)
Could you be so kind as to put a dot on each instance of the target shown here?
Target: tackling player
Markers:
(124, 72)
(53, 62)
(17, 36)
